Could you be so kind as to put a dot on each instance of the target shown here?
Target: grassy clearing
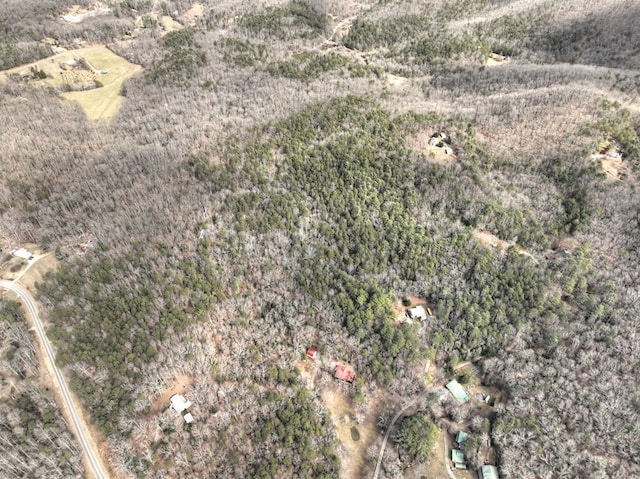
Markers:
(342, 414)
(106, 101)
(98, 103)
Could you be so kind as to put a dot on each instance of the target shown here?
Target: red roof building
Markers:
(345, 373)
(312, 352)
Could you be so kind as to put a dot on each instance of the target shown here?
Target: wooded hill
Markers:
(268, 185)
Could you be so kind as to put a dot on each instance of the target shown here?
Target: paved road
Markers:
(81, 433)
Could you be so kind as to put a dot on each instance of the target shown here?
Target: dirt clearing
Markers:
(494, 60)
(343, 414)
(614, 168)
(180, 385)
(36, 271)
(169, 24)
(196, 11)
(77, 14)
(489, 240)
(420, 144)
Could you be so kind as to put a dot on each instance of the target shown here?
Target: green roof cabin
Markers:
(457, 456)
(461, 437)
(458, 391)
(488, 472)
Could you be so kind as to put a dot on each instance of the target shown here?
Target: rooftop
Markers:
(457, 456)
(489, 472)
(22, 253)
(458, 391)
(179, 403)
(461, 437)
(417, 312)
(345, 373)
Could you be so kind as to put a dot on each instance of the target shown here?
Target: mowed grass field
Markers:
(99, 103)
(104, 102)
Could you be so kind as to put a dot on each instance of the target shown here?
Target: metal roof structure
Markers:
(457, 456)
(461, 437)
(458, 391)
(488, 472)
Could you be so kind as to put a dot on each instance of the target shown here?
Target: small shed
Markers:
(457, 456)
(461, 437)
(344, 373)
(312, 352)
(417, 313)
(458, 391)
(188, 418)
(488, 472)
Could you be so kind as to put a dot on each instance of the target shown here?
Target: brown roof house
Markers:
(344, 373)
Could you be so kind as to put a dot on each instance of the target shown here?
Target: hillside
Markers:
(244, 180)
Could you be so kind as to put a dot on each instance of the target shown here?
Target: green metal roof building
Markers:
(458, 391)
(461, 437)
(457, 456)
(488, 472)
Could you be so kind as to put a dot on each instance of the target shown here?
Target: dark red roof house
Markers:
(345, 373)
(312, 352)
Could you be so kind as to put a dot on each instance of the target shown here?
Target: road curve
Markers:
(80, 432)
(393, 421)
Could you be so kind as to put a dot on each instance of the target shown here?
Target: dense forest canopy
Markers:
(283, 174)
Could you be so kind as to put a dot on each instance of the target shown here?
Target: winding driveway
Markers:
(393, 421)
(78, 428)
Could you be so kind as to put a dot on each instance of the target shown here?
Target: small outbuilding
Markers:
(312, 352)
(461, 437)
(345, 373)
(457, 457)
(188, 418)
(22, 253)
(488, 472)
(458, 391)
